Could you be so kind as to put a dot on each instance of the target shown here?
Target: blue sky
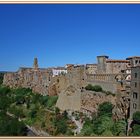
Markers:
(69, 33)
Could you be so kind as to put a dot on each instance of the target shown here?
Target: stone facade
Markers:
(135, 85)
(110, 66)
(91, 68)
(37, 80)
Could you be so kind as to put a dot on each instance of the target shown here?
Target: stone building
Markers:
(135, 85)
(111, 75)
(91, 68)
(37, 79)
(58, 71)
(109, 66)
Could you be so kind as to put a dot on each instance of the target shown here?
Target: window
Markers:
(135, 95)
(135, 75)
(134, 105)
(128, 93)
(136, 61)
(135, 84)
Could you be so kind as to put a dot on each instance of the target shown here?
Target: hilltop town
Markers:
(120, 77)
(118, 80)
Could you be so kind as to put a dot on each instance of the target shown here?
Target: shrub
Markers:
(11, 127)
(136, 116)
(136, 130)
(51, 101)
(105, 109)
(96, 88)
(4, 90)
(89, 87)
(103, 124)
(119, 128)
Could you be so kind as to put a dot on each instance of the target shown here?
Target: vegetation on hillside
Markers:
(9, 125)
(102, 124)
(32, 109)
(98, 88)
(135, 125)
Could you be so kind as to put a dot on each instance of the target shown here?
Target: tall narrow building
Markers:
(35, 65)
(135, 85)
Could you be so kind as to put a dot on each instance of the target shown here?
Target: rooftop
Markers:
(103, 56)
(132, 57)
(119, 61)
(92, 64)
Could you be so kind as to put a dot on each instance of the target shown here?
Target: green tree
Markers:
(136, 116)
(11, 127)
(87, 129)
(102, 124)
(4, 103)
(61, 126)
(105, 109)
(119, 128)
(4, 91)
(51, 101)
(89, 87)
(96, 88)
(136, 130)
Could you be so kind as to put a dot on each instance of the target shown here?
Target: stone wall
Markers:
(69, 99)
(37, 80)
(109, 82)
(113, 67)
(135, 90)
(91, 68)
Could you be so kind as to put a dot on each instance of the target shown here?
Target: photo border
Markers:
(68, 2)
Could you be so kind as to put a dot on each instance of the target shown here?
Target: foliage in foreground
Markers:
(103, 124)
(135, 124)
(24, 104)
(34, 110)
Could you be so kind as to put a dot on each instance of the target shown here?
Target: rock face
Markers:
(122, 108)
(90, 101)
(69, 99)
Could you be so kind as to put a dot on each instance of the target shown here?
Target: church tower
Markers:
(35, 65)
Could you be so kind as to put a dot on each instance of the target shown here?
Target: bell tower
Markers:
(35, 65)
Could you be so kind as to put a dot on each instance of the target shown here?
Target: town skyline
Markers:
(63, 34)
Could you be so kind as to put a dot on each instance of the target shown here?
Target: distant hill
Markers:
(3, 71)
